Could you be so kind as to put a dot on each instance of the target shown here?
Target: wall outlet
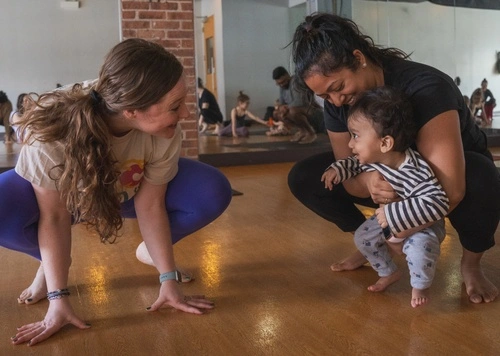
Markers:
(70, 4)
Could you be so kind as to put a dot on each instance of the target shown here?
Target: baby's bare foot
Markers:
(36, 291)
(419, 297)
(385, 282)
(350, 263)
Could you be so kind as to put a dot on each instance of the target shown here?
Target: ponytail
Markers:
(86, 182)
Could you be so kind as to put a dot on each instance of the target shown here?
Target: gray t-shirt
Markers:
(292, 96)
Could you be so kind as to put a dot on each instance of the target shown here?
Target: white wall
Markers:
(43, 44)
(459, 41)
(249, 37)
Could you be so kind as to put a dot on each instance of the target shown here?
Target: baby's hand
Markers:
(330, 178)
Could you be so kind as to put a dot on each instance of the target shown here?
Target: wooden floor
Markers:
(265, 264)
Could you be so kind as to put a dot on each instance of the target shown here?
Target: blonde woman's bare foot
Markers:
(143, 255)
(478, 287)
(350, 263)
(419, 297)
(385, 282)
(36, 291)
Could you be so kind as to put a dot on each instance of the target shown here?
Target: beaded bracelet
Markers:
(58, 294)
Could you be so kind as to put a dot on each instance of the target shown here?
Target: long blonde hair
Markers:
(135, 75)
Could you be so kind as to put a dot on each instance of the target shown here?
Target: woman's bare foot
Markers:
(36, 291)
(350, 263)
(385, 282)
(478, 287)
(143, 255)
(419, 297)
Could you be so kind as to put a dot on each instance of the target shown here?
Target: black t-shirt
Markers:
(488, 97)
(212, 114)
(431, 93)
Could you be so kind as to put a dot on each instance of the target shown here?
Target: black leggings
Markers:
(475, 218)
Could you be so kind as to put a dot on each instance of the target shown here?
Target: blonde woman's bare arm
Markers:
(155, 229)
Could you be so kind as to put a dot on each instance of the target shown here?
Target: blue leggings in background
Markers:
(197, 195)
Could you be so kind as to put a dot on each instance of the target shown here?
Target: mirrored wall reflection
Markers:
(441, 36)
(250, 38)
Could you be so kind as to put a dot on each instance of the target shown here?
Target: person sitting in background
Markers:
(5, 110)
(293, 109)
(238, 116)
(210, 113)
(15, 115)
(476, 107)
(488, 100)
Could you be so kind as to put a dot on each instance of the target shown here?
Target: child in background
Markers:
(238, 116)
(380, 123)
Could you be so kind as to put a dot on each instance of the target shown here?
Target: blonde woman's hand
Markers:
(171, 295)
(59, 314)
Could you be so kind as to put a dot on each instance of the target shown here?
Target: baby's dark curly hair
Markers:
(391, 113)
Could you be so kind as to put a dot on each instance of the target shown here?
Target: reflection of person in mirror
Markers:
(209, 110)
(477, 109)
(337, 62)
(382, 131)
(488, 100)
(5, 111)
(293, 109)
(239, 114)
(16, 115)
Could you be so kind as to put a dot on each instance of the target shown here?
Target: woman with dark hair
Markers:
(488, 100)
(209, 110)
(15, 115)
(98, 152)
(337, 62)
(239, 115)
(5, 110)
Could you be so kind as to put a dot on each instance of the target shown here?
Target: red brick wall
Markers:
(169, 23)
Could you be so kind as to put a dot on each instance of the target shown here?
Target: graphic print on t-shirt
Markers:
(132, 173)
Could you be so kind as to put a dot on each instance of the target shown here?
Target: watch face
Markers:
(178, 276)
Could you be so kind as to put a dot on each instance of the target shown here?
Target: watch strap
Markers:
(175, 275)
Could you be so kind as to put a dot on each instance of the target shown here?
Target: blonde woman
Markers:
(99, 152)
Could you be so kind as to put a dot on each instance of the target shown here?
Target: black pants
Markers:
(475, 218)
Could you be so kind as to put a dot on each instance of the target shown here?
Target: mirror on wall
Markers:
(250, 39)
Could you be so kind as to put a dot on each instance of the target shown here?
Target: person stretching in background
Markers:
(209, 110)
(381, 134)
(238, 116)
